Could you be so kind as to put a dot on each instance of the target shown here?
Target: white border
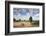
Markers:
(24, 29)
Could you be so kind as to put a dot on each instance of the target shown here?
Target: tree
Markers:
(30, 19)
(19, 19)
(24, 20)
(14, 19)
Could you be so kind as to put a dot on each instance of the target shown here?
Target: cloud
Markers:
(36, 17)
(24, 13)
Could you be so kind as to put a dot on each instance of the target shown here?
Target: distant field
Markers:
(24, 24)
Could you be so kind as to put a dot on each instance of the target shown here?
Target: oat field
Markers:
(22, 24)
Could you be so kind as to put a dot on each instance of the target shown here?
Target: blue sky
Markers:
(25, 13)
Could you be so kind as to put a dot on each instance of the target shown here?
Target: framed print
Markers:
(24, 17)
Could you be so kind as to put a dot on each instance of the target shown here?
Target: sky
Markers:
(25, 13)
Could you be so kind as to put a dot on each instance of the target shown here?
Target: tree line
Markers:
(30, 19)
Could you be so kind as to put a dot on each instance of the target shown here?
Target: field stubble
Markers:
(22, 24)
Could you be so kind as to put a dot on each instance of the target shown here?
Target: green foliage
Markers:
(19, 19)
(14, 19)
(35, 23)
(30, 19)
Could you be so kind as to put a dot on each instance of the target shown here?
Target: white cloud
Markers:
(36, 17)
(27, 15)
